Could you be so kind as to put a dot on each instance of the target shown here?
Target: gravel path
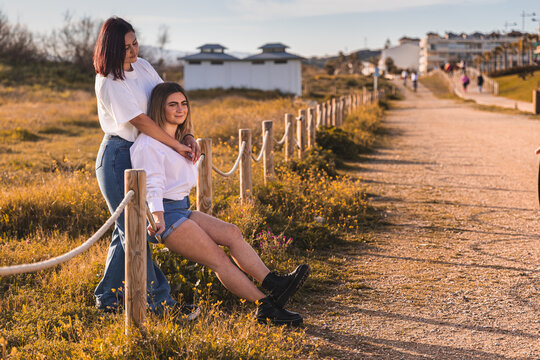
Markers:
(455, 274)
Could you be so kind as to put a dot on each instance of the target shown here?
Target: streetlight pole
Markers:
(523, 16)
(507, 24)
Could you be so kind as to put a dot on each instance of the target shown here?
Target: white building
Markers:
(406, 55)
(368, 68)
(272, 69)
(435, 51)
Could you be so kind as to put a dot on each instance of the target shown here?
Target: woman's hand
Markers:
(184, 150)
(189, 140)
(160, 224)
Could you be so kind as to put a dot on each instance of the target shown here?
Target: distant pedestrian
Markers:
(465, 82)
(414, 79)
(480, 82)
(404, 76)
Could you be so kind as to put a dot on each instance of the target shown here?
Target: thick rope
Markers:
(24, 268)
(289, 126)
(226, 174)
(265, 140)
(199, 162)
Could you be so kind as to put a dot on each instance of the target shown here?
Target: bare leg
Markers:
(192, 242)
(229, 235)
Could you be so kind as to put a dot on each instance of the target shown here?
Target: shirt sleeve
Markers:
(118, 101)
(150, 159)
(151, 71)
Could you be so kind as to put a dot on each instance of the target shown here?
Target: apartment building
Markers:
(435, 50)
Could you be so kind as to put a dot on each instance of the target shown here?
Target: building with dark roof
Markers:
(272, 69)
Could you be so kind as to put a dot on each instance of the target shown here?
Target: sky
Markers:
(308, 27)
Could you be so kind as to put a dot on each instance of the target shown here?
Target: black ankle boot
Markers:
(268, 311)
(282, 288)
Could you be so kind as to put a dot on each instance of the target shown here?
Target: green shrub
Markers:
(527, 70)
(316, 159)
(338, 141)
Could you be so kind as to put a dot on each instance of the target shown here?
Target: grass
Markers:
(319, 86)
(514, 87)
(50, 203)
(438, 85)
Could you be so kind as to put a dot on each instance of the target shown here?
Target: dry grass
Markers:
(438, 85)
(50, 203)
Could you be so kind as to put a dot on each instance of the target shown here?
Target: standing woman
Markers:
(123, 86)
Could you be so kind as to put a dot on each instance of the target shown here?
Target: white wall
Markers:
(243, 74)
(406, 56)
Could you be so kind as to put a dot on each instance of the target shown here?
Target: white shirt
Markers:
(119, 101)
(169, 175)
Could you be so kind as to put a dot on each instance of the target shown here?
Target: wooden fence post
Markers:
(311, 128)
(364, 95)
(343, 110)
(318, 116)
(135, 252)
(323, 114)
(268, 154)
(289, 139)
(328, 119)
(301, 132)
(246, 183)
(204, 179)
(338, 112)
(334, 114)
(536, 101)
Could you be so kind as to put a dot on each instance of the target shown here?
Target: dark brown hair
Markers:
(110, 51)
(158, 101)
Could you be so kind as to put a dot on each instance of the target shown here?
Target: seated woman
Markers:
(196, 235)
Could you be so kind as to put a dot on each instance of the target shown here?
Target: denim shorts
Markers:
(175, 213)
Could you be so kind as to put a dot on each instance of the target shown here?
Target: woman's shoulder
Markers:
(107, 81)
(144, 64)
(147, 143)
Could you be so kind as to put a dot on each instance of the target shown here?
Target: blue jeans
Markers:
(175, 212)
(112, 160)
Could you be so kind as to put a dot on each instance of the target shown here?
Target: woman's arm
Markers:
(160, 223)
(189, 140)
(147, 126)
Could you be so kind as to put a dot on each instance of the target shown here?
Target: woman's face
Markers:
(132, 49)
(176, 108)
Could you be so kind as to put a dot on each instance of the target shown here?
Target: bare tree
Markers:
(74, 42)
(16, 42)
(162, 40)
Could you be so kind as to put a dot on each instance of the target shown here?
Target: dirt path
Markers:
(455, 274)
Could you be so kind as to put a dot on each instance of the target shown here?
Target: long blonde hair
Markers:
(156, 109)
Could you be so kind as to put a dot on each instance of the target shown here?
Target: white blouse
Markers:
(169, 175)
(119, 101)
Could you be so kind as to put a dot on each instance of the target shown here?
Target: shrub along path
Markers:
(454, 274)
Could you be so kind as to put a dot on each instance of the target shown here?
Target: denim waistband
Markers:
(115, 138)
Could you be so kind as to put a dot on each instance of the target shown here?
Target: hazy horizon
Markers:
(309, 28)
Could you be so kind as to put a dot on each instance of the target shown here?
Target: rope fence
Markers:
(235, 166)
(42, 265)
(329, 113)
(258, 158)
